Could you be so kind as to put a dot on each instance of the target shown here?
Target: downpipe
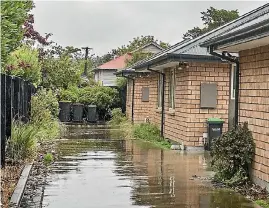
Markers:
(237, 81)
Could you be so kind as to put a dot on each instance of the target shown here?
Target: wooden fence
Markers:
(15, 104)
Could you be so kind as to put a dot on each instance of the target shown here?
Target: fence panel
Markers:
(3, 117)
(15, 104)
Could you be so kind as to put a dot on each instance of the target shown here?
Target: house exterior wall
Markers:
(188, 123)
(254, 106)
(107, 77)
(151, 49)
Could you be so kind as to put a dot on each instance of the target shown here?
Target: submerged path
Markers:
(122, 174)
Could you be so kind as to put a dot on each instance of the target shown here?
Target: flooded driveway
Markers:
(122, 174)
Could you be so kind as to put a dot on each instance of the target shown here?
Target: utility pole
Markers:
(86, 63)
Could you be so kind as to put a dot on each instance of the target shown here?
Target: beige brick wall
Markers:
(189, 121)
(254, 104)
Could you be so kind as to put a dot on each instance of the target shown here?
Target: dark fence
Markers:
(15, 104)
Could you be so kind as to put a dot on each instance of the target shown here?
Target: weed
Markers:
(48, 159)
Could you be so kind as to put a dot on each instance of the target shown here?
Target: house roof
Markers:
(117, 63)
(193, 46)
(151, 43)
(255, 28)
(120, 62)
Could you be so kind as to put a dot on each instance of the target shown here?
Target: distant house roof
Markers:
(120, 62)
(193, 46)
(117, 63)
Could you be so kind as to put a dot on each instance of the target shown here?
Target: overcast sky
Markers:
(104, 25)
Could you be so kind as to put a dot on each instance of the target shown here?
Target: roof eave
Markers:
(253, 30)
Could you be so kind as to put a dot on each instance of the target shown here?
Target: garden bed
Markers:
(9, 178)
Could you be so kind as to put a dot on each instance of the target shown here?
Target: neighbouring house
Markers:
(250, 39)
(104, 74)
(181, 87)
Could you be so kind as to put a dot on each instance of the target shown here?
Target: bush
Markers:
(24, 63)
(121, 82)
(22, 144)
(232, 155)
(117, 117)
(44, 115)
(71, 94)
(150, 132)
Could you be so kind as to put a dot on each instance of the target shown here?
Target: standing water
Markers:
(121, 174)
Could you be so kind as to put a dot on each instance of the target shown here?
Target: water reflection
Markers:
(124, 174)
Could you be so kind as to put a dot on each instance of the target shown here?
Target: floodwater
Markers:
(114, 173)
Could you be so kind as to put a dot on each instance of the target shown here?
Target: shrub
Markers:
(121, 82)
(71, 94)
(232, 155)
(24, 63)
(117, 117)
(44, 113)
(22, 144)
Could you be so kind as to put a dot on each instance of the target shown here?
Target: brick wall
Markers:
(188, 123)
(254, 104)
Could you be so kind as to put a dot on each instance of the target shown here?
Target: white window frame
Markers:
(172, 87)
(233, 81)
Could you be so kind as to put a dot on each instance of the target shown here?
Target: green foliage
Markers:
(232, 155)
(44, 113)
(71, 94)
(117, 117)
(137, 56)
(133, 45)
(121, 82)
(212, 18)
(151, 133)
(61, 72)
(101, 96)
(13, 16)
(24, 63)
(137, 43)
(48, 159)
(263, 203)
(22, 144)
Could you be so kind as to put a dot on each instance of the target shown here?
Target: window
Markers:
(160, 88)
(172, 89)
(233, 80)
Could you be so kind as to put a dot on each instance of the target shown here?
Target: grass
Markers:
(150, 133)
(263, 203)
(145, 131)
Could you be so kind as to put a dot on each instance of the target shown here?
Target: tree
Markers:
(133, 45)
(17, 25)
(24, 63)
(60, 72)
(137, 43)
(212, 18)
(13, 16)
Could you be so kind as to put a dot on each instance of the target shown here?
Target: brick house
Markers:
(194, 84)
(250, 39)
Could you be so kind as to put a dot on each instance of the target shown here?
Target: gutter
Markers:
(237, 79)
(163, 87)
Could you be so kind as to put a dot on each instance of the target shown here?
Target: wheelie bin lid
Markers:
(215, 121)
